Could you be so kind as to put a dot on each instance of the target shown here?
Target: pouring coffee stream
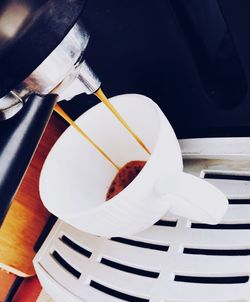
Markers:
(102, 97)
(65, 116)
(99, 93)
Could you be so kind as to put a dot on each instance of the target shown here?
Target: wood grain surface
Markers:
(6, 280)
(28, 291)
(27, 216)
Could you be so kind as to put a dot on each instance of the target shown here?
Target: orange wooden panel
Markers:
(28, 291)
(6, 280)
(27, 216)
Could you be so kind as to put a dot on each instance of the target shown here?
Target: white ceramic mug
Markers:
(75, 177)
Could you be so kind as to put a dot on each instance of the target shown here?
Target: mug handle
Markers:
(192, 197)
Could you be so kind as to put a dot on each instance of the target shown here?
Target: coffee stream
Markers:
(127, 173)
(102, 97)
(64, 115)
(99, 93)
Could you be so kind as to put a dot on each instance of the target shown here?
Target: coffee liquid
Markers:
(64, 115)
(124, 177)
(101, 96)
(99, 93)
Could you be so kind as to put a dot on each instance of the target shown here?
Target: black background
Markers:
(142, 47)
